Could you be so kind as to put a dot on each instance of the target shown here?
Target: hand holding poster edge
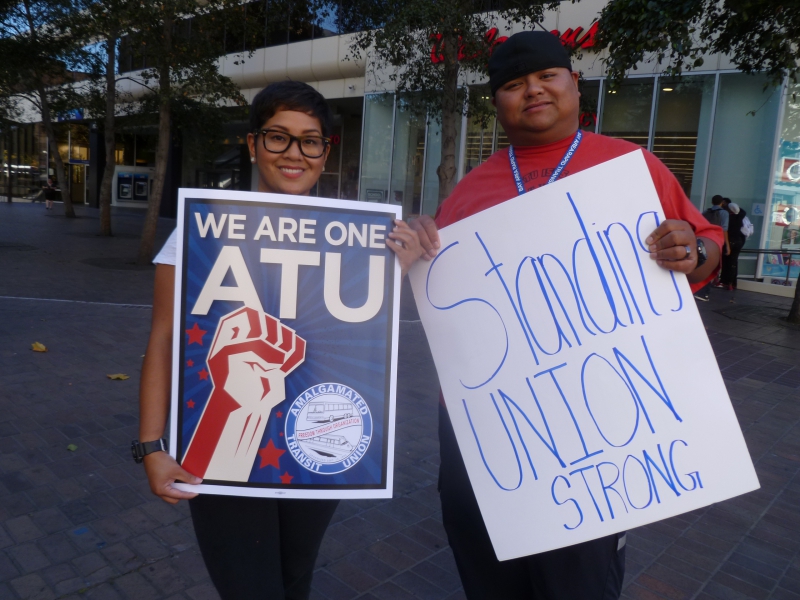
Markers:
(499, 418)
(245, 199)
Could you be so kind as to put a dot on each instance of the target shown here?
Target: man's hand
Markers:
(428, 236)
(162, 471)
(673, 246)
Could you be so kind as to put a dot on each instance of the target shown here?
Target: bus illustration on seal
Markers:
(328, 448)
(322, 412)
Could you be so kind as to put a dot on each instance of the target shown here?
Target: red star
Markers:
(280, 433)
(286, 479)
(190, 404)
(203, 373)
(196, 335)
(270, 455)
(279, 414)
(189, 363)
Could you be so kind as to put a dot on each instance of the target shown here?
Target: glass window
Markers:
(681, 133)
(590, 97)
(433, 158)
(146, 150)
(79, 143)
(479, 145)
(407, 156)
(376, 154)
(627, 109)
(741, 150)
(783, 231)
(124, 151)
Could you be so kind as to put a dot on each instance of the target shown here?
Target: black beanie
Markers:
(526, 52)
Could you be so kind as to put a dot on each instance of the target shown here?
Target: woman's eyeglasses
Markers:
(277, 142)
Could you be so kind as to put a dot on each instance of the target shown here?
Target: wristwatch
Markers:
(702, 255)
(141, 449)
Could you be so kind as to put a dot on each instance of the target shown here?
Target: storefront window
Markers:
(377, 150)
(681, 137)
(407, 156)
(783, 230)
(433, 158)
(741, 150)
(479, 144)
(79, 143)
(590, 97)
(626, 110)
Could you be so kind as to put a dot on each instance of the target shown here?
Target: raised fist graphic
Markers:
(251, 355)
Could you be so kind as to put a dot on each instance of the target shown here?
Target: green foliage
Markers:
(36, 45)
(397, 36)
(759, 35)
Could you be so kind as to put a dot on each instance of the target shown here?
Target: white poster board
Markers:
(581, 385)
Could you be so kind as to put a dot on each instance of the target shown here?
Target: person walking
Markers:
(50, 193)
(252, 547)
(736, 239)
(536, 95)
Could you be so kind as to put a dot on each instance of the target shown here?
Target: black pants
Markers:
(730, 264)
(260, 548)
(589, 571)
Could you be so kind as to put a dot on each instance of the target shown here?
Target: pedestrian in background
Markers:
(50, 193)
(736, 239)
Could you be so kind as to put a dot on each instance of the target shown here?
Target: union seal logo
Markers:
(328, 428)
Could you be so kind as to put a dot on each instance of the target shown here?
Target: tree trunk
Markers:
(111, 105)
(451, 114)
(61, 176)
(162, 153)
(794, 312)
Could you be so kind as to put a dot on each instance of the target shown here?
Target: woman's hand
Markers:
(162, 471)
(404, 242)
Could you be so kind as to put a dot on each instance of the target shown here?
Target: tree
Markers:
(38, 50)
(182, 41)
(434, 49)
(102, 22)
(761, 36)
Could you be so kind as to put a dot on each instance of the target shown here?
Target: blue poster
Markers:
(285, 345)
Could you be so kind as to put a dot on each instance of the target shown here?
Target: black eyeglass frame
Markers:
(292, 139)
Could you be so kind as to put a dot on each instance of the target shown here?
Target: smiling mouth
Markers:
(291, 171)
(536, 106)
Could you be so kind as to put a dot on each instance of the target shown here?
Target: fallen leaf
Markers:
(38, 347)
(121, 376)
(72, 447)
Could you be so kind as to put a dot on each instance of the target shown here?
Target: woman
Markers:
(253, 547)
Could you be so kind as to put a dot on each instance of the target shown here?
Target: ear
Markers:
(251, 144)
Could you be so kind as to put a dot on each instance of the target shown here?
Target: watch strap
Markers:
(142, 449)
(702, 255)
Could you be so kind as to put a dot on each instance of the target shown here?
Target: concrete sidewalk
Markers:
(82, 523)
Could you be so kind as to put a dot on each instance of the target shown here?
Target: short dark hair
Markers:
(290, 95)
(717, 200)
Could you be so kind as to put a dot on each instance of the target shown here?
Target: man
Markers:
(537, 100)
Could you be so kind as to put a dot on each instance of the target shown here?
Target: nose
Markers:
(293, 151)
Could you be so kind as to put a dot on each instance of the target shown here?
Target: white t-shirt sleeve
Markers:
(167, 254)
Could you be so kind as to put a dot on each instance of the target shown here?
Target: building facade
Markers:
(718, 130)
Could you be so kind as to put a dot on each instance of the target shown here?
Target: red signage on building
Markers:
(571, 38)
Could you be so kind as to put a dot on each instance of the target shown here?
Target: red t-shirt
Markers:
(492, 182)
